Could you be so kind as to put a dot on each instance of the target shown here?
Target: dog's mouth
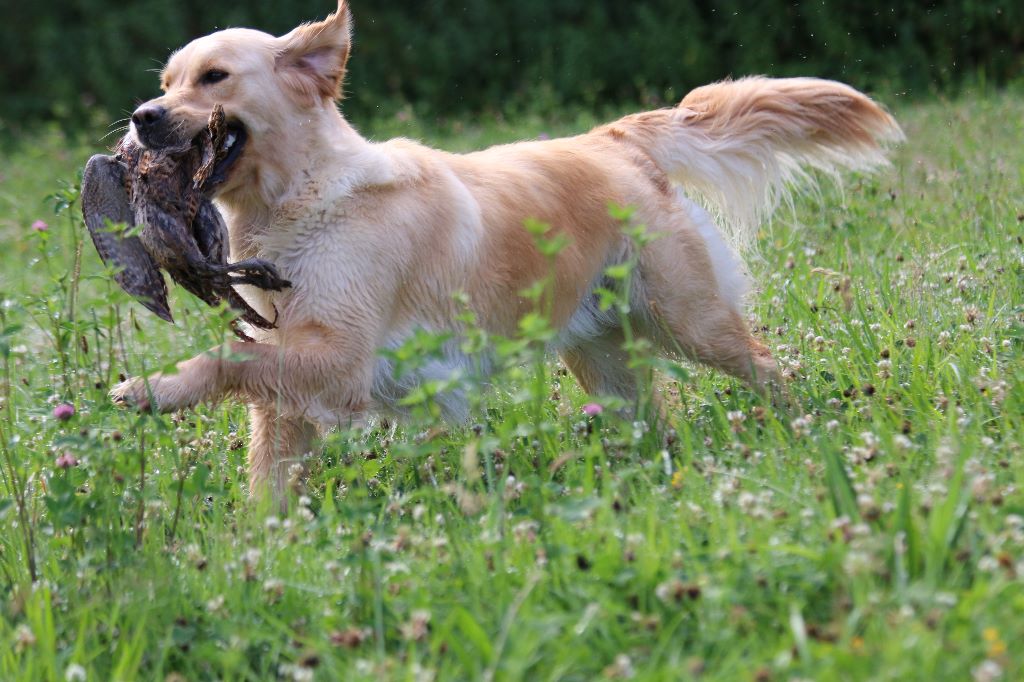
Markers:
(230, 151)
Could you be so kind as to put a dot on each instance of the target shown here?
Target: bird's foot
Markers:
(258, 273)
(248, 314)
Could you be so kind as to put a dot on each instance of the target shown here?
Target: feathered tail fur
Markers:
(744, 145)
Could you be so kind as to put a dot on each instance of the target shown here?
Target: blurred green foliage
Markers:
(63, 59)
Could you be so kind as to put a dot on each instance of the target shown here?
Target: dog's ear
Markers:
(311, 58)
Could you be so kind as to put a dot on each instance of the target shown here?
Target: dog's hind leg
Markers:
(691, 312)
(721, 340)
(277, 444)
(601, 365)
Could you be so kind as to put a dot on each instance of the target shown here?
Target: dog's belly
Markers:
(447, 373)
(588, 322)
(450, 374)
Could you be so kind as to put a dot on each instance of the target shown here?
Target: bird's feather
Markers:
(109, 216)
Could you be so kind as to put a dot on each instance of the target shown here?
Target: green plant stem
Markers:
(19, 501)
(140, 517)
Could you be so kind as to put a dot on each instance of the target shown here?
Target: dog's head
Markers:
(270, 88)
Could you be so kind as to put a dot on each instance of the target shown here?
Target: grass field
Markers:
(875, 530)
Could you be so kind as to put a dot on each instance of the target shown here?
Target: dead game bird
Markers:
(166, 192)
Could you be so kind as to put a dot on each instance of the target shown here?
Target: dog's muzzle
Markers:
(153, 127)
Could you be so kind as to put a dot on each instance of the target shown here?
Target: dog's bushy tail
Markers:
(744, 145)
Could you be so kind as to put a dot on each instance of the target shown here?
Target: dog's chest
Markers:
(321, 254)
(300, 235)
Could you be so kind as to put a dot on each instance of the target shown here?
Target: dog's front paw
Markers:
(131, 393)
(156, 394)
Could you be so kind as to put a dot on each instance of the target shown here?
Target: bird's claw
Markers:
(257, 273)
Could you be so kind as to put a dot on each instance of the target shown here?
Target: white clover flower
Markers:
(216, 604)
(902, 443)
(74, 673)
(296, 673)
(622, 668)
(987, 671)
(857, 563)
(24, 638)
(418, 626)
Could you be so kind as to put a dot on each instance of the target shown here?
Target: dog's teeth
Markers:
(230, 141)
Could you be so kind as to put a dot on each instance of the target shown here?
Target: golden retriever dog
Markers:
(382, 239)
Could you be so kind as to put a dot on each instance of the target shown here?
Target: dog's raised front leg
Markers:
(315, 372)
(196, 380)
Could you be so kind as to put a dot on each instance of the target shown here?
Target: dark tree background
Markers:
(83, 60)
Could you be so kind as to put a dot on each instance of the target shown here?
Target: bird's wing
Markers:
(107, 212)
(210, 232)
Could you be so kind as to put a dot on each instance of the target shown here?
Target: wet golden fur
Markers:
(377, 238)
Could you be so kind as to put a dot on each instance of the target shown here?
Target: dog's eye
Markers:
(213, 76)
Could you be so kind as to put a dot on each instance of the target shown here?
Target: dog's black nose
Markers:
(148, 115)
